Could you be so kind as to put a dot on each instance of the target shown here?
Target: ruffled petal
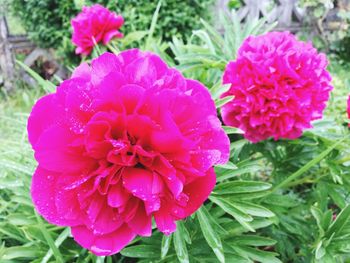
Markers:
(43, 191)
(58, 154)
(103, 245)
(46, 112)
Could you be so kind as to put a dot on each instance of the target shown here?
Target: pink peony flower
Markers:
(124, 140)
(93, 25)
(279, 86)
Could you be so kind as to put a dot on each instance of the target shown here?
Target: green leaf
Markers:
(281, 200)
(209, 233)
(232, 130)
(49, 239)
(251, 240)
(218, 89)
(17, 252)
(166, 241)
(317, 214)
(180, 243)
(253, 209)
(229, 208)
(221, 102)
(205, 38)
(213, 33)
(307, 166)
(327, 219)
(242, 168)
(320, 251)
(141, 251)
(134, 36)
(228, 166)
(258, 255)
(336, 196)
(60, 239)
(153, 26)
(339, 223)
(20, 219)
(237, 187)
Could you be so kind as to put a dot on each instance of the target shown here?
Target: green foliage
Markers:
(48, 21)
(206, 54)
(330, 20)
(284, 201)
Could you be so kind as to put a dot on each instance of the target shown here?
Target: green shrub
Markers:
(48, 21)
(330, 21)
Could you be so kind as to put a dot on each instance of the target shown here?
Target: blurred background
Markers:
(38, 32)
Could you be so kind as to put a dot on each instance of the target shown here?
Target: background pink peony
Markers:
(124, 140)
(95, 23)
(279, 86)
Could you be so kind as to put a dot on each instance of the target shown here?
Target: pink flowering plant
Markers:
(224, 148)
(134, 140)
(279, 85)
(95, 24)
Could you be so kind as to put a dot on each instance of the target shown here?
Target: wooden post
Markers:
(7, 64)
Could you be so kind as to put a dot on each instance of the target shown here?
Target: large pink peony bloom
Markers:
(124, 140)
(279, 86)
(93, 25)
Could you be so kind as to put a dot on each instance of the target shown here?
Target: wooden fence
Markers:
(14, 44)
(288, 13)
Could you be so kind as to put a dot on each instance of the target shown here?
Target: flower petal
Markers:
(43, 191)
(103, 245)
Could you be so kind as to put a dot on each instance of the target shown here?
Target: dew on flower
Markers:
(113, 162)
(284, 104)
(100, 251)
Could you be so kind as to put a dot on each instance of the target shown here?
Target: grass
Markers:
(24, 236)
(341, 83)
